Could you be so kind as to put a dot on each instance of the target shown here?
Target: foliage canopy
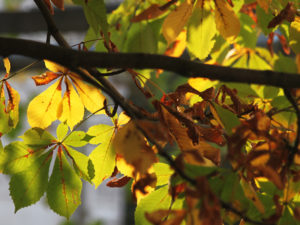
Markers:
(213, 151)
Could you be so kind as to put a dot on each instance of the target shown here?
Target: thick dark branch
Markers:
(186, 68)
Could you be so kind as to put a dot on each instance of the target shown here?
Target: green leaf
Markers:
(263, 20)
(101, 133)
(95, 13)
(247, 35)
(201, 30)
(163, 173)
(103, 158)
(287, 217)
(37, 138)
(285, 64)
(229, 119)
(142, 38)
(28, 186)
(158, 199)
(15, 157)
(61, 131)
(64, 188)
(80, 163)
(76, 139)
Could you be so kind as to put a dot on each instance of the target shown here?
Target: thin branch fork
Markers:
(74, 59)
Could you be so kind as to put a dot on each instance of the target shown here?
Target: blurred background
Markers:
(103, 206)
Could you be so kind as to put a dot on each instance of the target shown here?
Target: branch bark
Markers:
(74, 59)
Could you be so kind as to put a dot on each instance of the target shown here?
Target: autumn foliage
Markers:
(210, 152)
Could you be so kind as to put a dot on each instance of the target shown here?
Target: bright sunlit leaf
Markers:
(176, 20)
(42, 110)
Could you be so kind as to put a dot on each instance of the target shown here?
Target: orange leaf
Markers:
(166, 217)
(118, 182)
(227, 22)
(6, 65)
(150, 13)
(45, 78)
(42, 110)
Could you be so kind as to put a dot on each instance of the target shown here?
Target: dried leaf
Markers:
(150, 13)
(45, 78)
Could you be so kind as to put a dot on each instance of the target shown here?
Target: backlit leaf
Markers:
(176, 20)
(28, 186)
(55, 68)
(163, 173)
(80, 163)
(103, 158)
(37, 138)
(91, 97)
(61, 131)
(76, 139)
(295, 35)
(201, 30)
(45, 78)
(227, 22)
(42, 110)
(15, 157)
(7, 65)
(130, 143)
(150, 13)
(64, 188)
(101, 133)
(72, 107)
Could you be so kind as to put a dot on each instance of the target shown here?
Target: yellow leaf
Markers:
(123, 119)
(227, 21)
(90, 96)
(130, 144)
(176, 20)
(42, 110)
(55, 67)
(6, 65)
(72, 107)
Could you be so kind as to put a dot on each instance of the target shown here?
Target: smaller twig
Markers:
(21, 70)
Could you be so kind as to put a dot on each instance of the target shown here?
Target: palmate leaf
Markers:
(28, 186)
(64, 188)
(61, 131)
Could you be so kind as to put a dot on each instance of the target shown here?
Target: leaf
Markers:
(13, 105)
(55, 68)
(295, 35)
(45, 78)
(95, 13)
(64, 188)
(76, 139)
(176, 20)
(72, 107)
(101, 133)
(37, 138)
(61, 131)
(81, 163)
(163, 173)
(90, 96)
(130, 143)
(201, 30)
(151, 12)
(42, 110)
(227, 22)
(226, 118)
(103, 158)
(7, 65)
(158, 199)
(15, 157)
(288, 13)
(28, 186)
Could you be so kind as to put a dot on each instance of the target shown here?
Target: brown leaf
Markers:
(166, 217)
(143, 186)
(288, 13)
(150, 13)
(118, 182)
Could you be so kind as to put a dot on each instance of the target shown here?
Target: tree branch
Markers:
(73, 59)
